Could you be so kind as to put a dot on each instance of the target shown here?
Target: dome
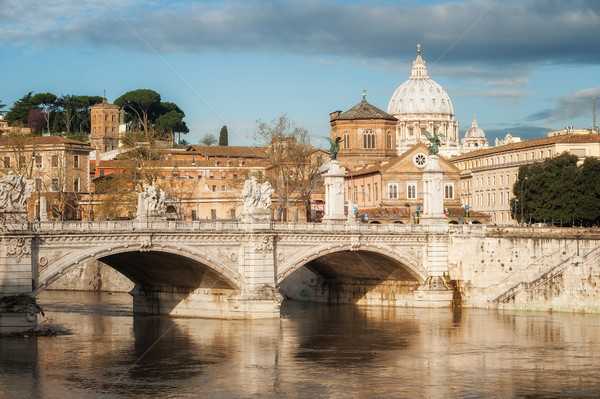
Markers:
(419, 94)
(475, 131)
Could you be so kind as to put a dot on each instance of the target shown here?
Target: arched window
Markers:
(369, 139)
(389, 141)
(449, 191)
(411, 191)
(393, 191)
(346, 141)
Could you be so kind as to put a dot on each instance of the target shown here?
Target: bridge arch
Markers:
(198, 266)
(400, 257)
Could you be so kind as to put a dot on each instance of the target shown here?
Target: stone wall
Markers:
(92, 276)
(542, 269)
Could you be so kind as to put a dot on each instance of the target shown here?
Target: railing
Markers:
(217, 225)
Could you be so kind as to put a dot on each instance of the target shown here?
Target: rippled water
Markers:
(313, 351)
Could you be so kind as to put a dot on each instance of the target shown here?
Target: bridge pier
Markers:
(18, 311)
(435, 291)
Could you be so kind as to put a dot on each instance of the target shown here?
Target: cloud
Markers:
(510, 33)
(568, 107)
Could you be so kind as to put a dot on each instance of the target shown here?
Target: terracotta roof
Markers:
(228, 151)
(188, 163)
(564, 139)
(43, 140)
(364, 110)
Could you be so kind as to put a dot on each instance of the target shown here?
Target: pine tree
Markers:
(223, 139)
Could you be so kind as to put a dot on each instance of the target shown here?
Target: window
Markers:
(393, 191)
(76, 185)
(38, 161)
(113, 118)
(194, 215)
(76, 161)
(541, 154)
(101, 172)
(235, 176)
(211, 175)
(389, 141)
(213, 213)
(7, 162)
(369, 139)
(54, 186)
(222, 188)
(223, 175)
(22, 161)
(376, 191)
(346, 141)
(517, 157)
(232, 214)
(411, 191)
(449, 191)
(410, 131)
(55, 161)
(214, 188)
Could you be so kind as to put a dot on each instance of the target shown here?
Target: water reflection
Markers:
(313, 351)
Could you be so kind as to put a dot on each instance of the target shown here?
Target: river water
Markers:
(313, 351)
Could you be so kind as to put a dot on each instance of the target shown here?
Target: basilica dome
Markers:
(419, 94)
(475, 131)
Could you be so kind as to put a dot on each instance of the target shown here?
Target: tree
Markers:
(208, 139)
(19, 112)
(171, 123)
(35, 121)
(2, 106)
(294, 163)
(223, 136)
(142, 102)
(48, 103)
(558, 190)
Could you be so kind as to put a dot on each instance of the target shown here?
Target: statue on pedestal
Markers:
(15, 189)
(435, 141)
(335, 147)
(256, 196)
(151, 202)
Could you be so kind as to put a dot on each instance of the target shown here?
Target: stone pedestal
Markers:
(334, 193)
(433, 193)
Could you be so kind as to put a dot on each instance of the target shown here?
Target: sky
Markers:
(524, 67)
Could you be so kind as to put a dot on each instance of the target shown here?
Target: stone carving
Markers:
(264, 245)
(15, 189)
(151, 202)
(256, 196)
(18, 250)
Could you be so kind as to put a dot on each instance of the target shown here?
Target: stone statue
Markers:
(151, 201)
(15, 189)
(256, 196)
(335, 147)
(435, 141)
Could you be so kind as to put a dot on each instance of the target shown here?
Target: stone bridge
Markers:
(231, 268)
(235, 269)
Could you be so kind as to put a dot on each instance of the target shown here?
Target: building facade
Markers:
(104, 125)
(59, 168)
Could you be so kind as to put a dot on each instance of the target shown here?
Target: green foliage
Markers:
(19, 112)
(142, 102)
(223, 136)
(2, 106)
(557, 190)
(170, 123)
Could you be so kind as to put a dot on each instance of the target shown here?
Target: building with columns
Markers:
(420, 104)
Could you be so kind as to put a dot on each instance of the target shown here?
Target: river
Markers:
(313, 351)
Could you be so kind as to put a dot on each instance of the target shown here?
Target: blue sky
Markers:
(521, 67)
